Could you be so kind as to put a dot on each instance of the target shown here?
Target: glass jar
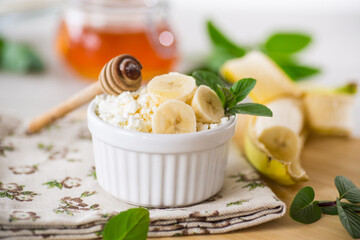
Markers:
(94, 31)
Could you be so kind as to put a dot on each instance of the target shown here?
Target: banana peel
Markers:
(285, 172)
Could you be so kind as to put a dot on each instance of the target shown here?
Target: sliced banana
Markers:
(207, 105)
(281, 142)
(281, 133)
(174, 116)
(172, 86)
(272, 81)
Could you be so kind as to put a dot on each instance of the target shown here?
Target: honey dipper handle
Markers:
(62, 109)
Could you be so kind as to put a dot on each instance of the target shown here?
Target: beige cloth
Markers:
(48, 189)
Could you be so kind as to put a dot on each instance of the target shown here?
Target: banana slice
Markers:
(281, 142)
(273, 145)
(207, 105)
(272, 81)
(172, 117)
(174, 86)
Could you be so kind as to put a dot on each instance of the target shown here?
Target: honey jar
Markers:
(92, 32)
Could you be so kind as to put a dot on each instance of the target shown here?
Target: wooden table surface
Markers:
(323, 158)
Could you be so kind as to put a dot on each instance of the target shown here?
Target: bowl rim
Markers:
(91, 114)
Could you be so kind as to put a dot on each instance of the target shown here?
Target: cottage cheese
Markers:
(134, 111)
(129, 110)
(206, 126)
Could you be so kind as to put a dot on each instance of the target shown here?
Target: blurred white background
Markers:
(334, 26)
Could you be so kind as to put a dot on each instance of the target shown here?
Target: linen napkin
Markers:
(48, 189)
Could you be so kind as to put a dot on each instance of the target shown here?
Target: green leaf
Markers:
(281, 58)
(128, 225)
(303, 209)
(332, 210)
(207, 78)
(19, 58)
(349, 219)
(287, 42)
(230, 99)
(298, 72)
(347, 189)
(353, 207)
(250, 108)
(242, 88)
(217, 58)
(2, 42)
(290, 66)
(329, 210)
(220, 40)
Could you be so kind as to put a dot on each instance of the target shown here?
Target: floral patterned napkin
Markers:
(48, 189)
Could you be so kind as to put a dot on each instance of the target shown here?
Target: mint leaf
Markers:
(207, 78)
(251, 109)
(230, 99)
(2, 42)
(219, 40)
(329, 210)
(303, 209)
(131, 224)
(19, 58)
(287, 42)
(290, 66)
(297, 72)
(332, 210)
(349, 219)
(347, 189)
(242, 88)
(217, 58)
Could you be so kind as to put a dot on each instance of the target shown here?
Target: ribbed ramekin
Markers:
(159, 170)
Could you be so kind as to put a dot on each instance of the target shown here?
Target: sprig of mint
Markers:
(130, 224)
(281, 47)
(305, 210)
(230, 97)
(18, 57)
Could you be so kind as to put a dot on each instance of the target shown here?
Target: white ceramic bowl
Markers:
(159, 170)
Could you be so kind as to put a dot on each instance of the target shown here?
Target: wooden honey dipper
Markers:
(122, 73)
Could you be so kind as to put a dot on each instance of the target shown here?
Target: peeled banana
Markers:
(329, 111)
(172, 86)
(272, 82)
(273, 145)
(207, 105)
(174, 116)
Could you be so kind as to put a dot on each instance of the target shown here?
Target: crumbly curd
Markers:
(134, 111)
